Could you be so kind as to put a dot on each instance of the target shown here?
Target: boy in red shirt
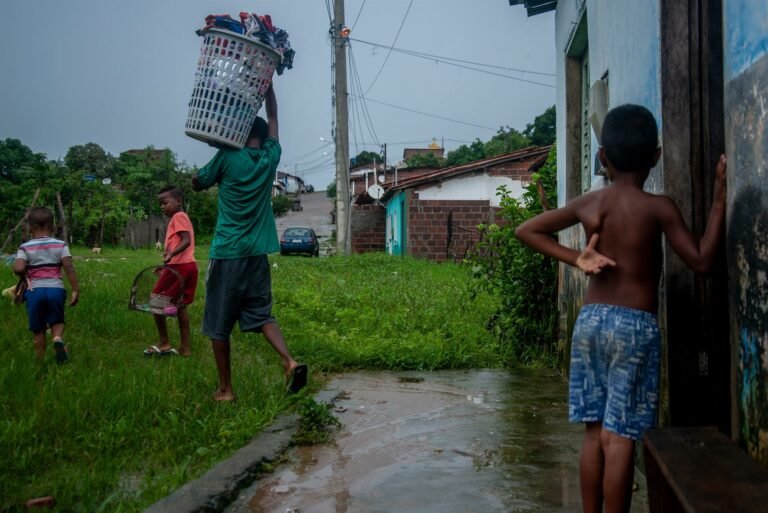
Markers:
(179, 255)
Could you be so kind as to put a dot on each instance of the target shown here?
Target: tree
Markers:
(465, 154)
(424, 160)
(542, 131)
(506, 141)
(365, 157)
(14, 156)
(89, 158)
(330, 191)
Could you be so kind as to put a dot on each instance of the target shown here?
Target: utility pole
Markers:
(385, 162)
(341, 135)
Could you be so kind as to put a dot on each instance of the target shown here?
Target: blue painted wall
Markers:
(395, 236)
(746, 115)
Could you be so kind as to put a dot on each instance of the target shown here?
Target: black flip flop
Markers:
(298, 379)
(61, 352)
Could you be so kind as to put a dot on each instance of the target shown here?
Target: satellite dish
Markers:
(106, 181)
(375, 191)
(381, 178)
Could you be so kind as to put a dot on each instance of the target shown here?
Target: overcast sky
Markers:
(120, 73)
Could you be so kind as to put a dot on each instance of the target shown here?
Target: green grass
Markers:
(114, 431)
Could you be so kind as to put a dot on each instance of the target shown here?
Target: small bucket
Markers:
(233, 74)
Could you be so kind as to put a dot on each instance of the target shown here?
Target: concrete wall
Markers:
(481, 187)
(746, 115)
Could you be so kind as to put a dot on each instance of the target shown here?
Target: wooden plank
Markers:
(706, 472)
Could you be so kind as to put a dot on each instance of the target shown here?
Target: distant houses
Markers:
(434, 212)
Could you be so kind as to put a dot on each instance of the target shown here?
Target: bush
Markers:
(525, 281)
(280, 205)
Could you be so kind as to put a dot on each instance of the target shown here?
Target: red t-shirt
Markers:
(180, 223)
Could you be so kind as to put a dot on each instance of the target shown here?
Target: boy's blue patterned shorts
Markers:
(614, 379)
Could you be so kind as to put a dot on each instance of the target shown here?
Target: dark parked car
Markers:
(299, 240)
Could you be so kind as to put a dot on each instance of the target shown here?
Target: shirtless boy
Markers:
(615, 352)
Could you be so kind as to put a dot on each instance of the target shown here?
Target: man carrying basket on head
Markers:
(238, 286)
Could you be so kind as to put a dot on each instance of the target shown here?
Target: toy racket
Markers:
(157, 290)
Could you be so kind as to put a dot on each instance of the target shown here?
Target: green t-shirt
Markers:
(245, 225)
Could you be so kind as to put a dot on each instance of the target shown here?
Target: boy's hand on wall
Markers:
(592, 262)
(721, 180)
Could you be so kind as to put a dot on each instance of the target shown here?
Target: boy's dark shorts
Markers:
(238, 289)
(45, 307)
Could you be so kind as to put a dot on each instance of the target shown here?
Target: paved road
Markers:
(478, 441)
(315, 213)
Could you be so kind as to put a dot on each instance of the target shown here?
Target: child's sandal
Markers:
(61, 352)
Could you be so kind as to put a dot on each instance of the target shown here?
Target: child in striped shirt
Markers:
(40, 261)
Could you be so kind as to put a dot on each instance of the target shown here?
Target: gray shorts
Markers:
(238, 289)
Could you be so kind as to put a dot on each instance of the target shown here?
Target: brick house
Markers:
(368, 215)
(435, 215)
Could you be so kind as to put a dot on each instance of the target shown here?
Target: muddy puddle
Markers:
(449, 441)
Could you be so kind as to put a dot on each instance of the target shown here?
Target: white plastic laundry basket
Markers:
(233, 74)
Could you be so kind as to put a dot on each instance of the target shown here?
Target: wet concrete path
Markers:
(448, 441)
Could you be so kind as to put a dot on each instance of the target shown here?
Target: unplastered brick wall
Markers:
(428, 222)
(368, 228)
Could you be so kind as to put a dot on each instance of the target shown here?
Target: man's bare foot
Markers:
(289, 366)
(224, 395)
(185, 352)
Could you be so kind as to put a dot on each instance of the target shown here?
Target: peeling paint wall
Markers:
(746, 111)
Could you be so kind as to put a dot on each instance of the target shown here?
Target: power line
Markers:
(328, 162)
(390, 48)
(310, 161)
(431, 56)
(328, 9)
(355, 118)
(432, 115)
(358, 85)
(476, 69)
(296, 159)
(358, 15)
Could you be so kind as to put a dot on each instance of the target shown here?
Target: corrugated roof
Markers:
(535, 7)
(448, 172)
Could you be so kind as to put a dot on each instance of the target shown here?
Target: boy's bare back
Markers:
(624, 225)
(627, 221)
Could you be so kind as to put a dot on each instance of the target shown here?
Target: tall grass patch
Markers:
(116, 431)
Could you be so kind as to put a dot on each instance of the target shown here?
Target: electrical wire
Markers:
(431, 56)
(358, 15)
(322, 164)
(357, 85)
(431, 115)
(328, 9)
(482, 70)
(356, 122)
(311, 161)
(390, 48)
(296, 159)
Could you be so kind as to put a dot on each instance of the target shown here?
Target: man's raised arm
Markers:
(270, 104)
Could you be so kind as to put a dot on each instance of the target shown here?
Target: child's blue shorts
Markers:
(615, 358)
(45, 307)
